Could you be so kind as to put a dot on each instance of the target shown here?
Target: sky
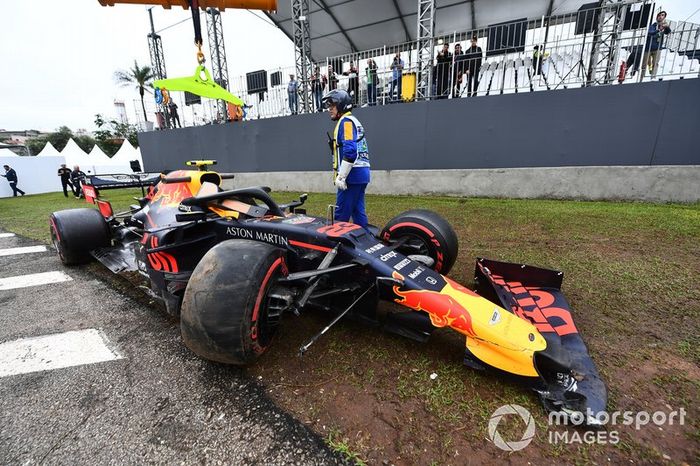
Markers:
(59, 56)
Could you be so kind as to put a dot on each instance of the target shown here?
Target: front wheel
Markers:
(423, 232)
(230, 311)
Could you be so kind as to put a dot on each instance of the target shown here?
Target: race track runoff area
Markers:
(89, 376)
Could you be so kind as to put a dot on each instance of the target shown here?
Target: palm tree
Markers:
(138, 77)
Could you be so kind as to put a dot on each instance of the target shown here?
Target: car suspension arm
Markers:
(304, 348)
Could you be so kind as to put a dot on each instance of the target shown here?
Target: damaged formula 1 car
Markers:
(230, 263)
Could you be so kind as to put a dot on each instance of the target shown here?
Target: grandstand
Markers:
(584, 128)
(569, 38)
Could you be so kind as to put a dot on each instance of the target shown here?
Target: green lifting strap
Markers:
(203, 87)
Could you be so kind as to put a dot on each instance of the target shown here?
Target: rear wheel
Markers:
(425, 233)
(76, 232)
(230, 311)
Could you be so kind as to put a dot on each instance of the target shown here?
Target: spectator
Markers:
(633, 60)
(444, 64)
(64, 173)
(293, 93)
(474, 56)
(458, 70)
(318, 84)
(396, 75)
(77, 177)
(332, 79)
(353, 83)
(655, 37)
(174, 117)
(371, 82)
(537, 60)
(11, 176)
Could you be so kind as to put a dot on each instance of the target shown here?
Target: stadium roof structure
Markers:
(340, 27)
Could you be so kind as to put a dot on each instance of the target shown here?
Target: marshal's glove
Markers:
(343, 173)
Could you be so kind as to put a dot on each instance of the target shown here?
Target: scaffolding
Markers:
(302, 51)
(425, 38)
(217, 51)
(155, 49)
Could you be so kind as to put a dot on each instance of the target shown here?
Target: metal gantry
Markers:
(426, 25)
(605, 52)
(219, 67)
(302, 51)
(155, 49)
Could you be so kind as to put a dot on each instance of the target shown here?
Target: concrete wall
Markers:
(650, 124)
(645, 183)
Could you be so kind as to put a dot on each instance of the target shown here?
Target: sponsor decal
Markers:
(338, 229)
(419, 270)
(387, 256)
(375, 248)
(264, 236)
(299, 220)
(271, 238)
(402, 264)
(237, 232)
(431, 280)
(442, 308)
(495, 317)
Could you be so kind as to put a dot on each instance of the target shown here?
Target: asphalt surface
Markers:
(159, 404)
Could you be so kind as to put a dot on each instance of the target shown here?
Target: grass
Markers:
(340, 445)
(631, 276)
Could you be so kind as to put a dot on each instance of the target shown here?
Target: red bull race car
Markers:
(233, 263)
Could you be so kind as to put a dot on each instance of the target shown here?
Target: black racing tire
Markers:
(226, 313)
(426, 233)
(76, 232)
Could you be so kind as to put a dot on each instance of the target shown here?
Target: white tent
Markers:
(48, 151)
(74, 154)
(126, 154)
(98, 157)
(100, 163)
(7, 153)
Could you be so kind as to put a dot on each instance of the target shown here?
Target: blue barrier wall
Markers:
(642, 124)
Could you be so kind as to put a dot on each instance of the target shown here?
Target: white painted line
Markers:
(6, 235)
(57, 351)
(23, 250)
(34, 279)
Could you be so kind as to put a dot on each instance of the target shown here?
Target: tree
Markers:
(59, 139)
(110, 134)
(137, 77)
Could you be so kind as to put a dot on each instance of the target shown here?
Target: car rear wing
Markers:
(123, 180)
(92, 184)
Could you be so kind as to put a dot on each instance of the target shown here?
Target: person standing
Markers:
(77, 177)
(396, 75)
(11, 176)
(351, 169)
(332, 79)
(444, 64)
(474, 56)
(174, 117)
(318, 83)
(353, 83)
(458, 70)
(64, 173)
(292, 92)
(371, 71)
(655, 38)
